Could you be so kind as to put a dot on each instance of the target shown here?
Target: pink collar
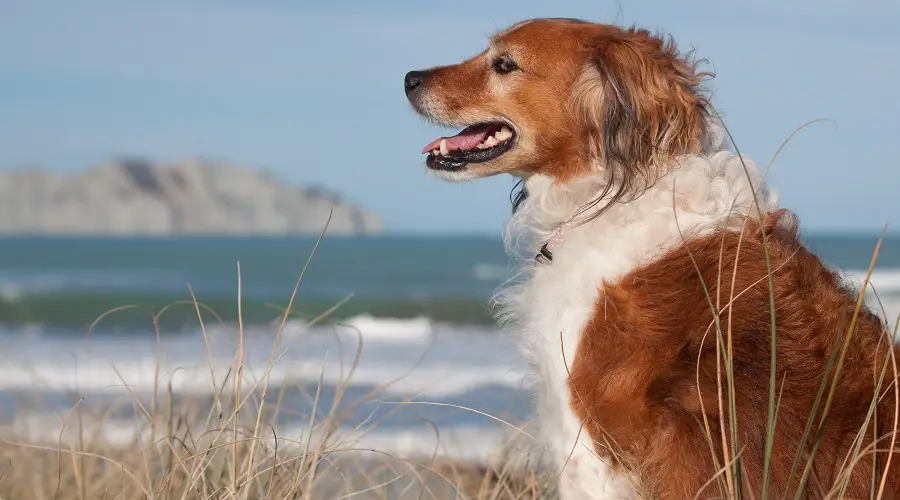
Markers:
(545, 255)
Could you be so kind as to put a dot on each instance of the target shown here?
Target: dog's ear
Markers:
(639, 101)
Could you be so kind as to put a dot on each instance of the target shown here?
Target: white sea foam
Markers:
(105, 376)
(886, 286)
(886, 281)
(421, 361)
(373, 328)
(454, 361)
(471, 443)
(415, 356)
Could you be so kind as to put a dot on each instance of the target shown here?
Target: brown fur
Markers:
(653, 338)
(645, 375)
(586, 92)
(641, 102)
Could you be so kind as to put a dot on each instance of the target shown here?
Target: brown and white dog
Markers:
(643, 224)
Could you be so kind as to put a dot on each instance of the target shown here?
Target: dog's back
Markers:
(683, 400)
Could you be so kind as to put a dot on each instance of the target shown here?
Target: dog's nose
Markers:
(413, 80)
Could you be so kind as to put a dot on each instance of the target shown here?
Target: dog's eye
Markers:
(504, 65)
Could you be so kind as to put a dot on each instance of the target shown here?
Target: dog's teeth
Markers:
(435, 152)
(503, 134)
(444, 150)
(490, 141)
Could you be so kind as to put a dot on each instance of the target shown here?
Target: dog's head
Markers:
(562, 97)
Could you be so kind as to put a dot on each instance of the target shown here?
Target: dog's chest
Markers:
(563, 295)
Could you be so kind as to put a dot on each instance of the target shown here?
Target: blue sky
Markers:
(313, 91)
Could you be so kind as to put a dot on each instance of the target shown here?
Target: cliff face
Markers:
(141, 198)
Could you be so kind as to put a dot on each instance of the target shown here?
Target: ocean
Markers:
(418, 304)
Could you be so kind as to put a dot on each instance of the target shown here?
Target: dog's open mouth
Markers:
(475, 144)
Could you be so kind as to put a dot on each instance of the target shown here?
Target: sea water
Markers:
(399, 327)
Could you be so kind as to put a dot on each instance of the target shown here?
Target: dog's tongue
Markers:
(469, 138)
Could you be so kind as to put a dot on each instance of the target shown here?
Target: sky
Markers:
(313, 91)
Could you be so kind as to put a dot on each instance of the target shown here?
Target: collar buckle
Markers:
(545, 256)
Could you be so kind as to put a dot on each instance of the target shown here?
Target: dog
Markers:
(654, 262)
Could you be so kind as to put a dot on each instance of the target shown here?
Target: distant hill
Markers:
(136, 197)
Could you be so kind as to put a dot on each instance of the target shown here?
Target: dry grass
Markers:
(203, 469)
(227, 448)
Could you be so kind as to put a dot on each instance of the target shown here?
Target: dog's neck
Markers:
(545, 254)
(553, 209)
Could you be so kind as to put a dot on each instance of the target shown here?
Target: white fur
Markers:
(550, 304)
